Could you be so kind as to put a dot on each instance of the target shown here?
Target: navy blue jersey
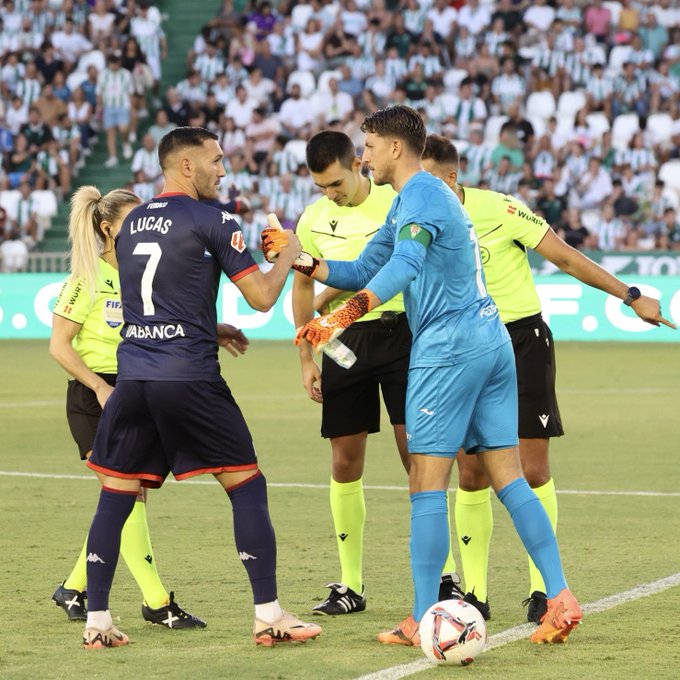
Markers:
(171, 251)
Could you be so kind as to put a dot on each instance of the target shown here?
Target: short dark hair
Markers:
(399, 121)
(328, 146)
(440, 150)
(181, 138)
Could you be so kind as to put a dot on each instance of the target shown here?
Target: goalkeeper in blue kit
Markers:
(462, 389)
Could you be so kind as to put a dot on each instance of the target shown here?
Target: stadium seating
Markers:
(617, 58)
(625, 126)
(492, 130)
(598, 123)
(9, 200)
(306, 81)
(541, 104)
(570, 103)
(660, 126)
(669, 174)
(322, 85)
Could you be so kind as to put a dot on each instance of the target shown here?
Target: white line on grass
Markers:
(369, 487)
(520, 632)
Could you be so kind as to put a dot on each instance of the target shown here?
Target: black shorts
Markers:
(149, 428)
(83, 412)
(351, 396)
(539, 414)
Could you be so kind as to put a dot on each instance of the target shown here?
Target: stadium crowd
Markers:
(570, 106)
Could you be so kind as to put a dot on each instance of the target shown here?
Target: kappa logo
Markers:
(244, 556)
(333, 224)
(93, 557)
(226, 216)
(237, 241)
(427, 412)
(544, 420)
(342, 537)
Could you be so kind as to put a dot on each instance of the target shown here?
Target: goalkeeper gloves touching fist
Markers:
(320, 331)
(275, 238)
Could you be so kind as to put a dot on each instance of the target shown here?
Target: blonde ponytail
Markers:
(88, 210)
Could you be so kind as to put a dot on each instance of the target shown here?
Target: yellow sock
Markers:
(77, 580)
(548, 497)
(474, 524)
(136, 550)
(450, 564)
(349, 515)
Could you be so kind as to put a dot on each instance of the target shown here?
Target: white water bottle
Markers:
(341, 354)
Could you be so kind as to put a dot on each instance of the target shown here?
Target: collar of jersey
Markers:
(171, 193)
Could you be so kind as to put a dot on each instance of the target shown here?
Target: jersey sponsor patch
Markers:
(414, 232)
(237, 241)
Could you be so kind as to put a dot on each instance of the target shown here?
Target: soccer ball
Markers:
(452, 632)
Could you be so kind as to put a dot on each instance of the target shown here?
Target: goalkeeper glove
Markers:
(275, 239)
(320, 331)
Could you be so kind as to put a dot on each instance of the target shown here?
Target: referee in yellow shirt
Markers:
(338, 226)
(506, 228)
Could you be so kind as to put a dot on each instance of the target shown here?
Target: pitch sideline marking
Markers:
(520, 632)
(368, 487)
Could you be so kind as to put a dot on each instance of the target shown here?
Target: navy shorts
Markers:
(151, 428)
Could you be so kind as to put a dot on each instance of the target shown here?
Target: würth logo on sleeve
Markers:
(237, 242)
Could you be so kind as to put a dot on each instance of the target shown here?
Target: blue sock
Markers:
(533, 526)
(429, 547)
(103, 544)
(254, 536)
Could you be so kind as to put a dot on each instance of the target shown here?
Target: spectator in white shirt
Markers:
(241, 109)
(474, 17)
(258, 88)
(262, 132)
(296, 115)
(145, 159)
(609, 232)
(333, 105)
(592, 188)
(443, 18)
(539, 16)
(69, 44)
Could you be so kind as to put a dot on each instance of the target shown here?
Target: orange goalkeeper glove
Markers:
(320, 331)
(275, 239)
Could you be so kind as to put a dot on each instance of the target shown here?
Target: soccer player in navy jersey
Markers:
(462, 389)
(171, 410)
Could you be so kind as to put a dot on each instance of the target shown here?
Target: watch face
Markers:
(634, 292)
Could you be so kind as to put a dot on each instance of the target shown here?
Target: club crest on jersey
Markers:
(415, 230)
(237, 241)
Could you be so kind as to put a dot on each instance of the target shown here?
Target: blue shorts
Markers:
(150, 428)
(472, 405)
(116, 116)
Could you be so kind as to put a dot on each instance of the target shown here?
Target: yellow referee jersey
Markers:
(101, 318)
(505, 229)
(340, 233)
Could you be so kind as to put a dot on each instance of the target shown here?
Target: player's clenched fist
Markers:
(320, 331)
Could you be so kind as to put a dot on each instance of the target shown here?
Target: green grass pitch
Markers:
(620, 409)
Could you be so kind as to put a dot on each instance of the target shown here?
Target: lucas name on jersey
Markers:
(150, 223)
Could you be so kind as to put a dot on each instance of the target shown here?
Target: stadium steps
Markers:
(185, 22)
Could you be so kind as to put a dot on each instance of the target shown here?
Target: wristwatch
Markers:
(632, 295)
